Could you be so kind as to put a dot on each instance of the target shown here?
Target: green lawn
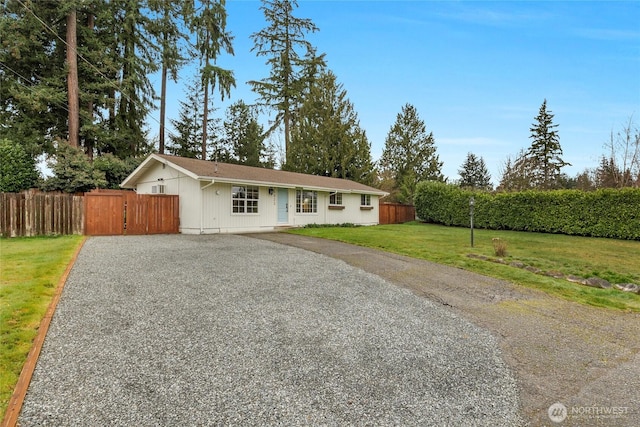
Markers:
(30, 269)
(617, 261)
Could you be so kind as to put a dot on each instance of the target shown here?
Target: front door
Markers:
(283, 206)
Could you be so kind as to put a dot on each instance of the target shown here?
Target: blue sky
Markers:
(476, 71)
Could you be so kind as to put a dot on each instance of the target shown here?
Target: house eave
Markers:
(208, 179)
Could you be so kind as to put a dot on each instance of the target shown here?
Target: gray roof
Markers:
(225, 172)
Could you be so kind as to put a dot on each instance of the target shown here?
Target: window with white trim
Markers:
(244, 199)
(335, 199)
(306, 201)
(365, 200)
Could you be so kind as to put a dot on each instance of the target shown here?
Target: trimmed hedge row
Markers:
(613, 213)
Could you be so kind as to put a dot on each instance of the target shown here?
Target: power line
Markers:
(109, 81)
(31, 87)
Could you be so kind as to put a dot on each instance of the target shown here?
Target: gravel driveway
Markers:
(230, 330)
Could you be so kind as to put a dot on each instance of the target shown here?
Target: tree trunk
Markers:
(205, 110)
(88, 142)
(163, 108)
(72, 80)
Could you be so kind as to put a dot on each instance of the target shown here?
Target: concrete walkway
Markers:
(231, 330)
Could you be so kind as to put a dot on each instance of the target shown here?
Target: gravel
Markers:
(230, 330)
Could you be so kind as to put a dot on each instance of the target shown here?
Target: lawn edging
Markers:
(20, 390)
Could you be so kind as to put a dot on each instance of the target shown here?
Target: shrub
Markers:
(613, 213)
(17, 168)
(499, 247)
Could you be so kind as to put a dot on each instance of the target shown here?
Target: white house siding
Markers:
(207, 208)
(350, 214)
(219, 218)
(178, 183)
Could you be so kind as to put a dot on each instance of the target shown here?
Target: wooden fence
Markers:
(395, 213)
(32, 213)
(112, 212)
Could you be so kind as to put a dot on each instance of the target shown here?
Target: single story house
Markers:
(227, 198)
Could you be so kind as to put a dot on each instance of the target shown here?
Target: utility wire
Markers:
(30, 87)
(109, 81)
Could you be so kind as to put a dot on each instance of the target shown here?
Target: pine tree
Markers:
(167, 30)
(474, 174)
(245, 136)
(33, 92)
(209, 24)
(410, 154)
(327, 139)
(292, 60)
(545, 152)
(186, 141)
(138, 60)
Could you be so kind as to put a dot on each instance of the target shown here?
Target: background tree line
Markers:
(74, 86)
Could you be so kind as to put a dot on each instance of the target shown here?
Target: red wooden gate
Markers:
(114, 212)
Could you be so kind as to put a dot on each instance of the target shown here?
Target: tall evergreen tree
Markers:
(33, 93)
(73, 89)
(139, 59)
(474, 173)
(172, 16)
(245, 137)
(212, 38)
(290, 56)
(327, 139)
(545, 152)
(186, 141)
(409, 154)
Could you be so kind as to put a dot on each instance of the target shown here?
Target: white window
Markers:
(365, 200)
(306, 201)
(244, 199)
(335, 198)
(158, 189)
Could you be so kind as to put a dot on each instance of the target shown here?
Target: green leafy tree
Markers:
(327, 139)
(292, 59)
(17, 168)
(474, 173)
(545, 153)
(409, 154)
(73, 172)
(245, 137)
(115, 170)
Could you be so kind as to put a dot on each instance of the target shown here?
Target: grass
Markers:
(30, 269)
(617, 261)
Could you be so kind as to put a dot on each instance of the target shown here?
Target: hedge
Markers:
(612, 213)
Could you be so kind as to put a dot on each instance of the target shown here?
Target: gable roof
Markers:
(204, 170)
